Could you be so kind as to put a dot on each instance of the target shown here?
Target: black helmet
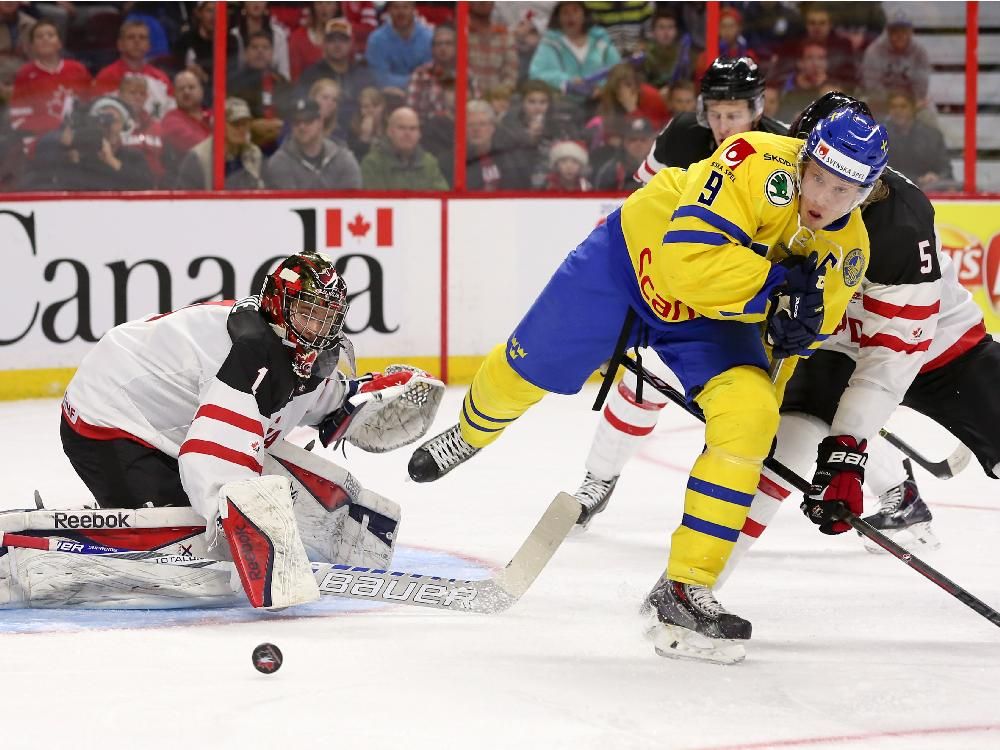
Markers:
(821, 108)
(732, 79)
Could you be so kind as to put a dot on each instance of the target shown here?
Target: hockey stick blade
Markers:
(482, 596)
(943, 469)
(861, 526)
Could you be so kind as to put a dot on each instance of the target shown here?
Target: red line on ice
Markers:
(811, 741)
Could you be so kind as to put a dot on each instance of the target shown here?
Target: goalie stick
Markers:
(858, 524)
(484, 596)
(946, 468)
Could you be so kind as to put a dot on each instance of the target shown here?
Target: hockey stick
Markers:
(485, 596)
(858, 524)
(946, 468)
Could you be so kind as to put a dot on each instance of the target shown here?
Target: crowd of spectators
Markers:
(561, 96)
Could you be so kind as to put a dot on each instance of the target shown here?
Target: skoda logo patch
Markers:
(854, 267)
(778, 188)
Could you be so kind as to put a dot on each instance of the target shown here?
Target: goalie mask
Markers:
(305, 301)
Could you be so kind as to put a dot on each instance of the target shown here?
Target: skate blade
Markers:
(674, 642)
(918, 537)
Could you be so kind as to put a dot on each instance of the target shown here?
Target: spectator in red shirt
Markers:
(133, 46)
(188, 124)
(144, 134)
(305, 46)
(44, 88)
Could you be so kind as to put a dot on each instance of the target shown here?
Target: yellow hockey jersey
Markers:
(704, 241)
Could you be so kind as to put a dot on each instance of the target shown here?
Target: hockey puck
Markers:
(267, 658)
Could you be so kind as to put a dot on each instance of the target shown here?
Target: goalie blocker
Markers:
(304, 509)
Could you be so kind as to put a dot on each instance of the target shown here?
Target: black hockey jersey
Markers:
(683, 141)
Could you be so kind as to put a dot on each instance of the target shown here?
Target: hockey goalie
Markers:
(176, 422)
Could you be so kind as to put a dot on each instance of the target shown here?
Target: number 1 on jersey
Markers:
(711, 189)
(260, 379)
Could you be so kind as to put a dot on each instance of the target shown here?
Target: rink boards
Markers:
(434, 282)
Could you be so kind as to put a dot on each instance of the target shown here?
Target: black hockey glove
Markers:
(836, 485)
(796, 307)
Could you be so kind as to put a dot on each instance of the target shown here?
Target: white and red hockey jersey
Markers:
(910, 315)
(211, 389)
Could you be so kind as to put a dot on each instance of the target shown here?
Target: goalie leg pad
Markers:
(368, 534)
(259, 525)
(40, 579)
(331, 508)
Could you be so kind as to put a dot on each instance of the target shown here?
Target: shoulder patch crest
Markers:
(737, 153)
(779, 188)
(854, 266)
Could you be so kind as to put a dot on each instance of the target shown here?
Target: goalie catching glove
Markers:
(797, 309)
(836, 485)
(384, 411)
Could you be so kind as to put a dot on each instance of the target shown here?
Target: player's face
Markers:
(824, 197)
(728, 118)
(313, 322)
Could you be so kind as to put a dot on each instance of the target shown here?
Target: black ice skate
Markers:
(439, 455)
(905, 518)
(594, 495)
(687, 622)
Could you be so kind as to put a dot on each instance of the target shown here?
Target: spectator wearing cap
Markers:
(264, 90)
(243, 159)
(896, 62)
(620, 172)
(398, 46)
(399, 162)
(668, 53)
(338, 64)
(44, 88)
(573, 50)
(133, 48)
(568, 164)
(917, 149)
(305, 45)
(255, 17)
(308, 160)
(493, 59)
(189, 123)
(732, 43)
(431, 91)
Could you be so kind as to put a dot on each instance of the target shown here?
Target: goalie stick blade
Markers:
(550, 531)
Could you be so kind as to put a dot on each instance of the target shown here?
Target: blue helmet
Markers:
(850, 145)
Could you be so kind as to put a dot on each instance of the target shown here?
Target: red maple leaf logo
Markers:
(359, 227)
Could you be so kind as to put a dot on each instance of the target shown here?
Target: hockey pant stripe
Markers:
(719, 492)
(741, 413)
(712, 529)
(497, 395)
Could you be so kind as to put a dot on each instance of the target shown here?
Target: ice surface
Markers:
(850, 650)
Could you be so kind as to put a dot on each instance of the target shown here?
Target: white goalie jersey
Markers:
(183, 383)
